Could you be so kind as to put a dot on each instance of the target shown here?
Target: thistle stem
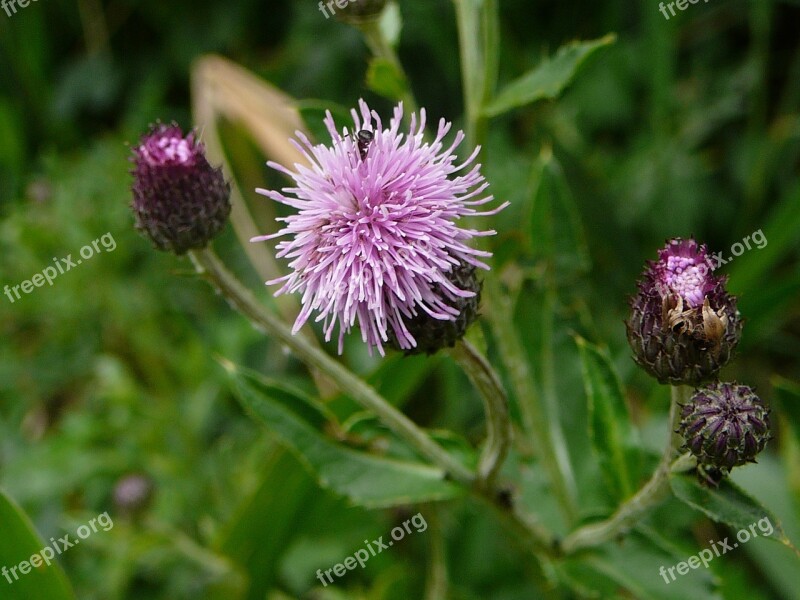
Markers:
(381, 48)
(647, 498)
(436, 584)
(533, 536)
(532, 408)
(495, 404)
(211, 268)
(478, 34)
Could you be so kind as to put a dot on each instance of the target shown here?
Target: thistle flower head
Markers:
(179, 201)
(725, 425)
(376, 235)
(683, 325)
(682, 270)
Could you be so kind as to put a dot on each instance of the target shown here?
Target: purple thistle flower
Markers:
(684, 325)
(179, 201)
(376, 233)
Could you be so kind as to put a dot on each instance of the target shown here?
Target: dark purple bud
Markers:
(725, 425)
(180, 201)
(684, 325)
(433, 334)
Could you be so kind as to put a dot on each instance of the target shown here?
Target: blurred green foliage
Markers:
(687, 126)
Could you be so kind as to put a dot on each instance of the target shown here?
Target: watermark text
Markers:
(46, 555)
(706, 555)
(373, 548)
(59, 267)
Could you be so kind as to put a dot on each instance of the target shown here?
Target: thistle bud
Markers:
(132, 494)
(180, 202)
(433, 334)
(724, 425)
(684, 325)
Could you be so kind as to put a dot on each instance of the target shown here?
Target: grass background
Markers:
(683, 127)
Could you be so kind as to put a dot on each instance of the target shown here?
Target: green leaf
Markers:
(634, 565)
(727, 504)
(612, 434)
(264, 524)
(547, 80)
(365, 479)
(18, 543)
(767, 483)
(398, 377)
(556, 230)
(385, 79)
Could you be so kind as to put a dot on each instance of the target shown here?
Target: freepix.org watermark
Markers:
(341, 4)
(46, 555)
(360, 557)
(706, 555)
(715, 260)
(62, 265)
(681, 4)
(738, 248)
(10, 6)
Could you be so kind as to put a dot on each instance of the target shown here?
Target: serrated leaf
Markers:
(385, 79)
(18, 543)
(727, 504)
(612, 434)
(365, 479)
(548, 79)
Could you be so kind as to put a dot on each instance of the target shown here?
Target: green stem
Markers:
(534, 416)
(220, 567)
(495, 404)
(491, 57)
(381, 48)
(436, 584)
(550, 404)
(679, 395)
(647, 498)
(478, 33)
(533, 537)
(209, 266)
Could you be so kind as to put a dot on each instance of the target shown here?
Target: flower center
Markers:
(687, 279)
(168, 150)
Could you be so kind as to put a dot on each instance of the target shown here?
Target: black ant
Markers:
(363, 140)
